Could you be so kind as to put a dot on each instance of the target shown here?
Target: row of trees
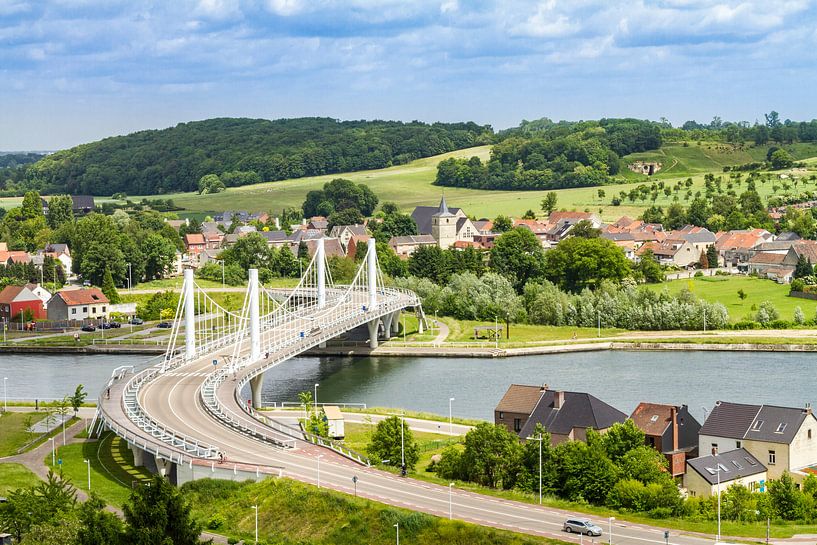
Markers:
(49, 513)
(771, 129)
(241, 151)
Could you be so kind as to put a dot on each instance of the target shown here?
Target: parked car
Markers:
(86, 283)
(89, 328)
(581, 526)
(105, 325)
(136, 321)
(165, 325)
(115, 325)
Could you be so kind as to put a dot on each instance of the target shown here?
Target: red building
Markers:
(17, 299)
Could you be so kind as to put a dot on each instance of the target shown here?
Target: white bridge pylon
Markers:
(271, 319)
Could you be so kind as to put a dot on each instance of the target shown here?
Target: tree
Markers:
(703, 262)
(742, 294)
(210, 183)
(621, 438)
(786, 500)
(98, 527)
(98, 258)
(338, 195)
(529, 215)
(518, 255)
(578, 263)
(393, 440)
(502, 224)
(653, 214)
(395, 225)
(390, 263)
(649, 268)
(430, 262)
(60, 210)
(799, 317)
(32, 206)
(549, 203)
(644, 464)
(804, 267)
(156, 513)
(712, 256)
(781, 159)
(249, 252)
(159, 254)
(585, 472)
(492, 456)
(675, 217)
(347, 216)
(109, 289)
(585, 229)
(78, 398)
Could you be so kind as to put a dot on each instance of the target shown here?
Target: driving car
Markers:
(164, 325)
(88, 328)
(581, 526)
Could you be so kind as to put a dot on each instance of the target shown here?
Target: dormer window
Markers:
(757, 425)
(780, 427)
(654, 418)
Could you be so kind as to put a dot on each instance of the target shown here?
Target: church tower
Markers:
(444, 226)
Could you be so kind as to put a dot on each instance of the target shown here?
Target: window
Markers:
(652, 441)
(750, 461)
(724, 469)
(737, 444)
(74, 311)
(517, 425)
(780, 427)
(85, 309)
(501, 415)
(737, 464)
(711, 470)
(93, 310)
(752, 486)
(654, 418)
(772, 458)
(103, 309)
(809, 434)
(757, 425)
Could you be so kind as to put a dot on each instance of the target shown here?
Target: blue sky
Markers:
(73, 71)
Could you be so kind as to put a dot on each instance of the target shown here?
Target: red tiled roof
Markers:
(193, 238)
(767, 258)
(85, 296)
(10, 293)
(643, 416)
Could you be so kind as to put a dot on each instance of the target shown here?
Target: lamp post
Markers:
(53, 452)
(5, 395)
(319, 469)
(402, 444)
(610, 537)
(130, 278)
(598, 311)
(397, 527)
(450, 511)
(316, 398)
(718, 469)
(540, 463)
(88, 463)
(255, 508)
(222, 274)
(450, 418)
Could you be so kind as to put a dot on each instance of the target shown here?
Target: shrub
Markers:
(232, 541)
(797, 285)
(215, 522)
(746, 324)
(699, 274)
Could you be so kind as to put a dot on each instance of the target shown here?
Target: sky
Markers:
(74, 71)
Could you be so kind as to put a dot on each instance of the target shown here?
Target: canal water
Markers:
(623, 379)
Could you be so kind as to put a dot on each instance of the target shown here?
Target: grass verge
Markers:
(13, 430)
(14, 476)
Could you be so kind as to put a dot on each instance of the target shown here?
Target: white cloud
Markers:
(285, 7)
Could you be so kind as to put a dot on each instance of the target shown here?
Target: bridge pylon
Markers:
(189, 315)
(255, 315)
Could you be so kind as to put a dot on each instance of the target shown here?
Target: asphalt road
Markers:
(174, 400)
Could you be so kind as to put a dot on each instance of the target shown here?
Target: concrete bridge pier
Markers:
(373, 326)
(162, 466)
(395, 322)
(256, 383)
(387, 325)
(138, 456)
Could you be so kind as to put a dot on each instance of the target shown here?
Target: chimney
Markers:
(544, 387)
(277, 223)
(558, 399)
(674, 417)
(807, 410)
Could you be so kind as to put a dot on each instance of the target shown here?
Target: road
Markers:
(174, 400)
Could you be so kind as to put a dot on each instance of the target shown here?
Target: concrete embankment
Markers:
(90, 349)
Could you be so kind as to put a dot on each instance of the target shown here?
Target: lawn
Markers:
(13, 434)
(112, 470)
(291, 512)
(413, 414)
(724, 289)
(463, 331)
(14, 476)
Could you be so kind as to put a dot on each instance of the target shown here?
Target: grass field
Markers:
(724, 289)
(463, 331)
(112, 470)
(13, 434)
(14, 476)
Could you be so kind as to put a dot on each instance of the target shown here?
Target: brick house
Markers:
(20, 299)
(194, 243)
(670, 430)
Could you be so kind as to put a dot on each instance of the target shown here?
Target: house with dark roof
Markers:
(783, 438)
(565, 415)
(670, 430)
(82, 204)
(406, 245)
(345, 232)
(706, 475)
(446, 225)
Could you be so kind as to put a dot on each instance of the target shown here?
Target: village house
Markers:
(357, 243)
(699, 237)
(670, 430)
(82, 205)
(345, 232)
(406, 245)
(445, 225)
(770, 265)
(43, 294)
(679, 253)
(62, 253)
(735, 248)
(275, 239)
(194, 243)
(707, 475)
(782, 438)
(565, 415)
(78, 304)
(17, 301)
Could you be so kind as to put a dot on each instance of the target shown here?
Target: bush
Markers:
(746, 324)
(232, 540)
(215, 522)
(698, 274)
(797, 285)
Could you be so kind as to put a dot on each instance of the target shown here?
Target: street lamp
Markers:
(397, 527)
(130, 278)
(450, 487)
(5, 395)
(255, 508)
(402, 445)
(718, 469)
(319, 469)
(540, 463)
(450, 419)
(53, 449)
(316, 398)
(88, 463)
(610, 537)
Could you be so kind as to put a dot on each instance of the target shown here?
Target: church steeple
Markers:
(443, 211)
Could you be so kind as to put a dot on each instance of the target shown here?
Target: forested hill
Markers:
(242, 151)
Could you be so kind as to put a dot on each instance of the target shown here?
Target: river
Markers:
(622, 379)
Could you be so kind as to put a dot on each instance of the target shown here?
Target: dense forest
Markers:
(770, 130)
(546, 155)
(240, 151)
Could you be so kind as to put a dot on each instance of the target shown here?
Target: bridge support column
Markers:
(371, 273)
(320, 260)
(255, 390)
(189, 315)
(162, 465)
(420, 327)
(255, 316)
(387, 325)
(373, 326)
(395, 322)
(138, 456)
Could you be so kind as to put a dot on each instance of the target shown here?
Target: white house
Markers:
(81, 304)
